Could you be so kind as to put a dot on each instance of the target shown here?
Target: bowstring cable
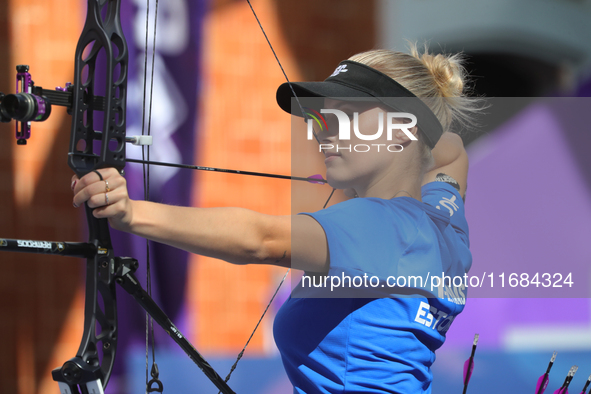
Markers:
(255, 328)
(280, 66)
(333, 190)
(154, 367)
(306, 117)
(146, 177)
(146, 197)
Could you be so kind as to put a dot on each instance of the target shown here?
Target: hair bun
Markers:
(447, 72)
(441, 77)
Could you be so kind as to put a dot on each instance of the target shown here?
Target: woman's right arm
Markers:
(450, 159)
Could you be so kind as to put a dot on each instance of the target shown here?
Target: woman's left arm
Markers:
(236, 235)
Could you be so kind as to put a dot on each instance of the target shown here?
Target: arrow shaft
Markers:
(228, 171)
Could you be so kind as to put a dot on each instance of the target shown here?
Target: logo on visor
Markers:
(340, 69)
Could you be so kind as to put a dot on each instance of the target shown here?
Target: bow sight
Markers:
(30, 103)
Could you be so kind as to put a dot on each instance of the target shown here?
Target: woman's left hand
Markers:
(108, 196)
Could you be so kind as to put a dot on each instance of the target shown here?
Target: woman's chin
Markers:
(337, 183)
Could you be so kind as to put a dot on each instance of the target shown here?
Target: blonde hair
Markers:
(439, 80)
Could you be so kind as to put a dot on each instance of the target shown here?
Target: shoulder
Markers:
(360, 212)
(353, 226)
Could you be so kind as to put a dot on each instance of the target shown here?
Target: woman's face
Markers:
(367, 157)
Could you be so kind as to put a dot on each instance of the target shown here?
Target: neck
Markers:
(403, 178)
(394, 184)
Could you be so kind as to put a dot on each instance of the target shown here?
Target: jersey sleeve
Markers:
(443, 196)
(376, 239)
(362, 233)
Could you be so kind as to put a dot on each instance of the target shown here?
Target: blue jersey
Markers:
(366, 344)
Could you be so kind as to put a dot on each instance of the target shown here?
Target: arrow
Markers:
(469, 365)
(317, 178)
(545, 379)
(586, 385)
(569, 377)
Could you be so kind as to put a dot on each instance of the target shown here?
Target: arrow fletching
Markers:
(542, 383)
(469, 365)
(317, 178)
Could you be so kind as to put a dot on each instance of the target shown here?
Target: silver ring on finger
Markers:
(107, 188)
(106, 199)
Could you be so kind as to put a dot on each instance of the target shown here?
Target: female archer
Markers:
(406, 224)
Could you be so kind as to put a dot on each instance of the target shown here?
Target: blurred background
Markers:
(528, 200)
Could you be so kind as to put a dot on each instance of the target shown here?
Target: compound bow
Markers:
(89, 151)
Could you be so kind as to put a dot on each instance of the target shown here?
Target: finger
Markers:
(87, 180)
(103, 212)
(110, 173)
(98, 174)
(103, 198)
(74, 180)
(99, 188)
(93, 177)
(113, 179)
(108, 211)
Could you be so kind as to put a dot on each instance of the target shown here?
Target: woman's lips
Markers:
(331, 156)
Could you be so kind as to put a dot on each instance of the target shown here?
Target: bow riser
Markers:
(99, 38)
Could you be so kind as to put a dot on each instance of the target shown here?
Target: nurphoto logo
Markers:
(344, 124)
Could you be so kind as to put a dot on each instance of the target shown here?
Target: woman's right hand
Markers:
(108, 196)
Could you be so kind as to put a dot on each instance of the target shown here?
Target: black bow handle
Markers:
(101, 41)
